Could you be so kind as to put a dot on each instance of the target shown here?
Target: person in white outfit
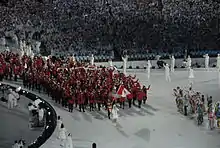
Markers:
(115, 114)
(206, 61)
(10, 99)
(218, 61)
(167, 72)
(172, 63)
(110, 62)
(69, 141)
(15, 99)
(15, 145)
(219, 77)
(59, 122)
(92, 60)
(41, 115)
(62, 135)
(125, 60)
(148, 69)
(189, 61)
(191, 75)
(21, 144)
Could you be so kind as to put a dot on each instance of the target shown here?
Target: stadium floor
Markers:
(156, 125)
(14, 124)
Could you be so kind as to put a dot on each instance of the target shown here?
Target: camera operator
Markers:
(11, 99)
(33, 115)
(19, 144)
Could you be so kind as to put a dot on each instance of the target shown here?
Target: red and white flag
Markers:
(122, 91)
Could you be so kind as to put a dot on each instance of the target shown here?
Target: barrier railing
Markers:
(51, 118)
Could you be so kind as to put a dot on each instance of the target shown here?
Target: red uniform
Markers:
(81, 98)
(122, 99)
(130, 96)
(140, 95)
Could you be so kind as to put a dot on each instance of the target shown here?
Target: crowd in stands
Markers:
(98, 25)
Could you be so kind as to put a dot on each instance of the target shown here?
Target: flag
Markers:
(122, 91)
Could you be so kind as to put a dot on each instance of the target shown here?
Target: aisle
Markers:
(155, 125)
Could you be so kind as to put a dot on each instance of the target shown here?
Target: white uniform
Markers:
(148, 69)
(41, 114)
(37, 102)
(206, 61)
(110, 63)
(62, 136)
(191, 73)
(167, 73)
(10, 101)
(115, 114)
(172, 63)
(16, 145)
(219, 77)
(92, 60)
(59, 122)
(189, 62)
(218, 61)
(125, 59)
(20, 145)
(15, 99)
(69, 142)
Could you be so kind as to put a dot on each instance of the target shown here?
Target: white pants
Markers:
(10, 104)
(15, 102)
(172, 69)
(62, 142)
(148, 75)
(168, 79)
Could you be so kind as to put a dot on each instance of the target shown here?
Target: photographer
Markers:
(19, 144)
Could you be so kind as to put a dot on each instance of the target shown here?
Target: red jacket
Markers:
(71, 101)
(130, 96)
(1, 71)
(140, 95)
(81, 98)
(122, 99)
(91, 98)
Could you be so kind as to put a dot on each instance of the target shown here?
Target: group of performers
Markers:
(190, 102)
(69, 82)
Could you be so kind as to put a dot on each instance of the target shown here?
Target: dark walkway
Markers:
(14, 124)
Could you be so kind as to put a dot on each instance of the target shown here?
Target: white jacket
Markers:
(16, 95)
(59, 122)
(69, 142)
(16, 145)
(41, 114)
(10, 97)
(62, 133)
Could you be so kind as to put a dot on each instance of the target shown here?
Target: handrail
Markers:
(51, 117)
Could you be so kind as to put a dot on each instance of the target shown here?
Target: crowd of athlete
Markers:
(72, 83)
